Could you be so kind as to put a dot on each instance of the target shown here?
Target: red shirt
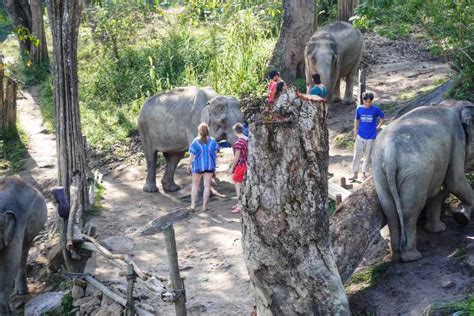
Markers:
(241, 144)
(272, 86)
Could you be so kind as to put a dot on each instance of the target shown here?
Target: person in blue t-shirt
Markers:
(366, 126)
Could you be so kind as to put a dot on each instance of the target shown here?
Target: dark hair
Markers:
(317, 79)
(279, 87)
(273, 73)
(368, 96)
(238, 128)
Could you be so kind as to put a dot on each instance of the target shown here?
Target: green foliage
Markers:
(460, 254)
(447, 24)
(370, 276)
(46, 104)
(465, 307)
(345, 141)
(13, 150)
(5, 25)
(331, 206)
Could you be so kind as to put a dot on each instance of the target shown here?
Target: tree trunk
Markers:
(355, 226)
(285, 222)
(345, 9)
(297, 27)
(38, 54)
(29, 15)
(64, 19)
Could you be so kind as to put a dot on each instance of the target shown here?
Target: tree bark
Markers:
(355, 226)
(285, 222)
(64, 19)
(298, 24)
(38, 54)
(29, 15)
(345, 9)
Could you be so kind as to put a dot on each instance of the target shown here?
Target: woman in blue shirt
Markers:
(202, 164)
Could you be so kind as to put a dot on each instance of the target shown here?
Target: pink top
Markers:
(272, 86)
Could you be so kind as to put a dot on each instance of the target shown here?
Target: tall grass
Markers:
(229, 54)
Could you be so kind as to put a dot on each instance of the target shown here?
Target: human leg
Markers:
(194, 189)
(207, 190)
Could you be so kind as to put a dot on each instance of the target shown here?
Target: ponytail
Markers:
(203, 132)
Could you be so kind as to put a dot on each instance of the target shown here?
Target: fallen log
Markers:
(355, 226)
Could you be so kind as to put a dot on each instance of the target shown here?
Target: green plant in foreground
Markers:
(464, 308)
(14, 149)
(369, 276)
(460, 254)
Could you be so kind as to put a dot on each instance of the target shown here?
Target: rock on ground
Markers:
(118, 243)
(44, 303)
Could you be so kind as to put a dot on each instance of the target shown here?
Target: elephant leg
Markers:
(21, 286)
(337, 91)
(412, 205)
(463, 192)
(350, 80)
(9, 261)
(150, 156)
(433, 223)
(172, 160)
(391, 217)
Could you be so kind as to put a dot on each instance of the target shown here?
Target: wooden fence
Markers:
(8, 90)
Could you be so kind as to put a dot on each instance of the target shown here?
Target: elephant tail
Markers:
(391, 173)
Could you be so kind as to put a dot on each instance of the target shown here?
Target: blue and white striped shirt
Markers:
(204, 155)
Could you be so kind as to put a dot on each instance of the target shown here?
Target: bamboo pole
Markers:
(176, 281)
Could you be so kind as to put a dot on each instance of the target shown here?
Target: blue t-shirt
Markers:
(318, 90)
(368, 121)
(204, 155)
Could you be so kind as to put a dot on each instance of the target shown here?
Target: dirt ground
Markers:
(209, 243)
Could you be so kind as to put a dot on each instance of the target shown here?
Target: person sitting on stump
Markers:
(316, 92)
(365, 132)
(202, 164)
(275, 81)
(238, 167)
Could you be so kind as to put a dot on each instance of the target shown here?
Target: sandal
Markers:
(236, 210)
(191, 209)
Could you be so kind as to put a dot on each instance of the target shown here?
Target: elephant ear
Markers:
(467, 115)
(205, 114)
(7, 224)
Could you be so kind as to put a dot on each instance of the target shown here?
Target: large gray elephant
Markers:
(417, 161)
(335, 52)
(168, 123)
(23, 213)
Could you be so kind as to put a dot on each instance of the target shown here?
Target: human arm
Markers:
(190, 165)
(356, 127)
(234, 162)
(307, 97)
(381, 121)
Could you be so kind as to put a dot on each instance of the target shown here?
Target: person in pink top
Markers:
(275, 78)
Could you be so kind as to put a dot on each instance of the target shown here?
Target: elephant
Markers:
(417, 161)
(168, 123)
(334, 52)
(23, 213)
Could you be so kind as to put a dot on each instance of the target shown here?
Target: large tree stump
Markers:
(285, 222)
(355, 226)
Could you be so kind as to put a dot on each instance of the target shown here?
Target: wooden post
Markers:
(176, 281)
(10, 105)
(131, 276)
(343, 183)
(338, 200)
(362, 83)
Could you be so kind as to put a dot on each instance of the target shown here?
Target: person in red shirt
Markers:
(275, 79)
(239, 166)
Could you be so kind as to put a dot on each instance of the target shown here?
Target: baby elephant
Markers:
(417, 161)
(23, 213)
